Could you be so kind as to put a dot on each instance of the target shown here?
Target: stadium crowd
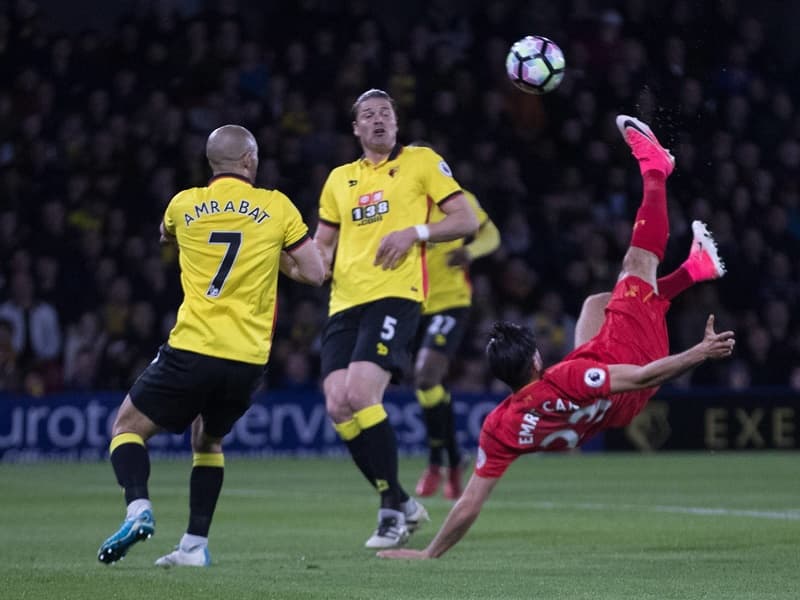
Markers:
(99, 128)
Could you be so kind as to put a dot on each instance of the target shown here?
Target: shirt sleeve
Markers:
(169, 215)
(328, 209)
(296, 230)
(580, 380)
(493, 457)
(439, 181)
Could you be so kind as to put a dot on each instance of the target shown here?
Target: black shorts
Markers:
(444, 330)
(179, 385)
(380, 332)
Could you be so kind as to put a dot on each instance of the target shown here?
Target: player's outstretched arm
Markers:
(304, 264)
(455, 526)
(460, 221)
(625, 378)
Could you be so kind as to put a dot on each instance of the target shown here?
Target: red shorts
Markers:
(635, 333)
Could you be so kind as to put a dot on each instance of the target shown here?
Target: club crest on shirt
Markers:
(594, 377)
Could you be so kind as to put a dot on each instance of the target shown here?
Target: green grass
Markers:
(580, 526)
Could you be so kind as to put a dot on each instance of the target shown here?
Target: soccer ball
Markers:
(535, 64)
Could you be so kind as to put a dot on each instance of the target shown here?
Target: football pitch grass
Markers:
(593, 526)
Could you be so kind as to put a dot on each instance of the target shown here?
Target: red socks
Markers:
(676, 282)
(651, 228)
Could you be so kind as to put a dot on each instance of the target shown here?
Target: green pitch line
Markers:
(699, 511)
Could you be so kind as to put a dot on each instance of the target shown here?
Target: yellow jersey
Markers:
(366, 202)
(230, 236)
(449, 287)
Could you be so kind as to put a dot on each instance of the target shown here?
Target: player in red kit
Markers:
(620, 360)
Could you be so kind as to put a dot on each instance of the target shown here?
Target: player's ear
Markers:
(250, 161)
(538, 364)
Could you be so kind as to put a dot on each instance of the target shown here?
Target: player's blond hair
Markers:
(372, 93)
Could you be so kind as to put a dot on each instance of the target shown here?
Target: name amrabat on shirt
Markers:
(242, 207)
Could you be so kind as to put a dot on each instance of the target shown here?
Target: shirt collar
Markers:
(398, 148)
(219, 176)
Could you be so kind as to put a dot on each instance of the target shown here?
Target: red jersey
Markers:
(572, 401)
(560, 410)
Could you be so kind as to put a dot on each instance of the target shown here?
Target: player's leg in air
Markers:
(651, 227)
(702, 264)
(131, 464)
(441, 337)
(634, 329)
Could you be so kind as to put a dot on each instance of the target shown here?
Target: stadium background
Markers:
(105, 111)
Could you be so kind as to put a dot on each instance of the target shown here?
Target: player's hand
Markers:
(326, 262)
(405, 553)
(394, 247)
(717, 345)
(287, 263)
(459, 257)
(165, 237)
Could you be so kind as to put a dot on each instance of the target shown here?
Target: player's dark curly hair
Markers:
(510, 353)
(372, 93)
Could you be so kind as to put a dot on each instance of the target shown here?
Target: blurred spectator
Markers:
(87, 338)
(554, 329)
(36, 333)
(82, 376)
(117, 308)
(9, 373)
(298, 374)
